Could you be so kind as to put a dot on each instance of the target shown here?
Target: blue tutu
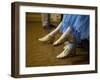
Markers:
(79, 25)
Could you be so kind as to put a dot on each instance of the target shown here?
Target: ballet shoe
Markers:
(67, 50)
(64, 53)
(58, 42)
(47, 39)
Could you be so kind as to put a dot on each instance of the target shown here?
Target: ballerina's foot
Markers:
(67, 50)
(58, 42)
(47, 39)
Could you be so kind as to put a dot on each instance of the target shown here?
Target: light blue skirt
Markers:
(79, 25)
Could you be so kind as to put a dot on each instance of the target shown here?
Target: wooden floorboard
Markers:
(39, 54)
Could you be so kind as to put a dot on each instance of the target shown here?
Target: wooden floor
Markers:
(39, 54)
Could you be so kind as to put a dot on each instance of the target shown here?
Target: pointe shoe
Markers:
(58, 42)
(65, 52)
(47, 39)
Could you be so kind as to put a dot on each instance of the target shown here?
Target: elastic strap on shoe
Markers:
(70, 45)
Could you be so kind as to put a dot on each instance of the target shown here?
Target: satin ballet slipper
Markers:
(65, 52)
(58, 42)
(47, 39)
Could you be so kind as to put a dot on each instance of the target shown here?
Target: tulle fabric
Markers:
(79, 26)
